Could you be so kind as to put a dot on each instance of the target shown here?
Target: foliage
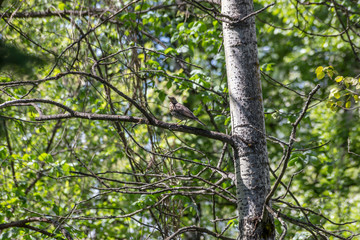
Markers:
(129, 180)
(341, 92)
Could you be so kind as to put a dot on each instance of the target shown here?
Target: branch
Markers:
(197, 229)
(310, 148)
(255, 13)
(49, 13)
(307, 225)
(28, 38)
(351, 151)
(267, 77)
(283, 224)
(97, 78)
(346, 31)
(88, 32)
(217, 2)
(287, 154)
(187, 191)
(289, 184)
(138, 120)
(23, 224)
(34, 100)
(20, 223)
(153, 185)
(239, 19)
(101, 217)
(292, 206)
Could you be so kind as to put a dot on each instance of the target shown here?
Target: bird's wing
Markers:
(185, 111)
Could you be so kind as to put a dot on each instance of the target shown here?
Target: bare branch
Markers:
(103, 81)
(255, 13)
(24, 224)
(91, 116)
(351, 151)
(307, 225)
(36, 100)
(288, 151)
(313, 212)
(197, 229)
(283, 224)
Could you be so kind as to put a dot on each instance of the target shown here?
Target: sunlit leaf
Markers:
(339, 78)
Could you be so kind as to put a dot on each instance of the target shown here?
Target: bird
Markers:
(181, 112)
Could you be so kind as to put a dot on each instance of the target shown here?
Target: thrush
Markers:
(181, 112)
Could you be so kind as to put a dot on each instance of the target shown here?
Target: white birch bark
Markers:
(247, 119)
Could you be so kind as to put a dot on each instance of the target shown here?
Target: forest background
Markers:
(81, 80)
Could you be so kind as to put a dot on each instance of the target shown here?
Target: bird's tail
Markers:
(198, 120)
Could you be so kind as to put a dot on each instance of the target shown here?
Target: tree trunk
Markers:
(247, 119)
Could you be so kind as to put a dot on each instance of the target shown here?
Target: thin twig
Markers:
(292, 137)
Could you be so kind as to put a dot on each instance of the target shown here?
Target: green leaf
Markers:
(56, 209)
(141, 56)
(61, 6)
(268, 67)
(348, 104)
(339, 78)
(329, 104)
(227, 121)
(170, 50)
(206, 83)
(152, 63)
(66, 168)
(319, 70)
(45, 157)
(330, 73)
(339, 103)
(321, 75)
(162, 95)
(169, 84)
(219, 118)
